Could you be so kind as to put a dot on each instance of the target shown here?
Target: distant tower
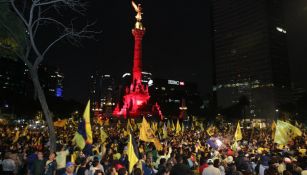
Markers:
(137, 95)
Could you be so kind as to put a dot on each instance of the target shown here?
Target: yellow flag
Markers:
(60, 123)
(210, 130)
(16, 136)
(234, 146)
(164, 131)
(73, 157)
(146, 133)
(238, 133)
(25, 131)
(201, 127)
(132, 153)
(157, 144)
(129, 127)
(173, 126)
(285, 132)
(103, 135)
(168, 125)
(87, 120)
(155, 126)
(178, 128)
(79, 140)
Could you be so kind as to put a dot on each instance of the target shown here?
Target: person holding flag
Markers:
(84, 137)
(132, 152)
(147, 135)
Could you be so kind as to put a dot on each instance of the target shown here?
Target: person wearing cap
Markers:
(211, 170)
(70, 168)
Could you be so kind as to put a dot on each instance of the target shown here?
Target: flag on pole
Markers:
(210, 130)
(84, 135)
(25, 131)
(103, 135)
(173, 126)
(79, 140)
(129, 127)
(234, 146)
(16, 136)
(238, 133)
(201, 126)
(60, 123)
(285, 132)
(87, 121)
(132, 153)
(178, 128)
(147, 135)
(168, 125)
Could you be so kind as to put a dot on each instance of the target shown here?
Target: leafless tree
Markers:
(34, 14)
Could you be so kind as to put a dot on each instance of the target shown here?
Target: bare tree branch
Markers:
(38, 17)
(49, 19)
(49, 2)
(54, 42)
(33, 14)
(18, 13)
(73, 36)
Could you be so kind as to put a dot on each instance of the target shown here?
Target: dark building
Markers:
(102, 93)
(174, 96)
(251, 55)
(52, 81)
(16, 87)
(15, 78)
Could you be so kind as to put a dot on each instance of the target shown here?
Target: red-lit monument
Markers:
(137, 95)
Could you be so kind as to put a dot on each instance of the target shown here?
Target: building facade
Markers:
(251, 54)
(176, 98)
(102, 93)
(15, 78)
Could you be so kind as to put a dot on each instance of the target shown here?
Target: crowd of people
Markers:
(193, 151)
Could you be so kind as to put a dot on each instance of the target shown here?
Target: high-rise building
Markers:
(250, 54)
(51, 79)
(15, 78)
(102, 93)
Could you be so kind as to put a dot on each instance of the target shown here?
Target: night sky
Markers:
(177, 45)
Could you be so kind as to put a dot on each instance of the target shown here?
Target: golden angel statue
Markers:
(138, 10)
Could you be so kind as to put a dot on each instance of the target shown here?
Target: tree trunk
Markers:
(45, 108)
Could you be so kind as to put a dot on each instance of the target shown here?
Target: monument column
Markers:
(138, 34)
